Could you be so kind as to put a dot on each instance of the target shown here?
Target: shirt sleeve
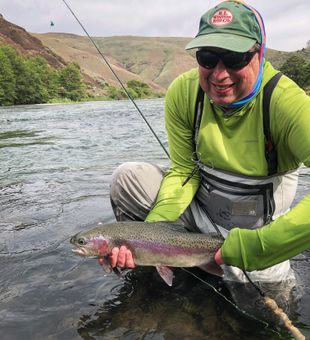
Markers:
(288, 235)
(290, 124)
(280, 240)
(174, 197)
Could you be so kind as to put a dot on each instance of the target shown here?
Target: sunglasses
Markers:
(233, 60)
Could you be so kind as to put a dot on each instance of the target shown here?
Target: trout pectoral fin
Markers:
(166, 274)
(118, 273)
(212, 268)
(105, 264)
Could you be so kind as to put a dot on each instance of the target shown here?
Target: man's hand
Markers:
(121, 257)
(218, 257)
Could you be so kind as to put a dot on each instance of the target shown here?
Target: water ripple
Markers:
(56, 165)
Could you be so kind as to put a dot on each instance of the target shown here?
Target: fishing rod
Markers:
(117, 77)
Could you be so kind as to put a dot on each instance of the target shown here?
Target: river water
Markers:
(56, 164)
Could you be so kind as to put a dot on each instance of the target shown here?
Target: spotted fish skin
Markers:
(159, 244)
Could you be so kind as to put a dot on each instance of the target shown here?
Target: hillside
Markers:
(26, 43)
(152, 60)
(156, 61)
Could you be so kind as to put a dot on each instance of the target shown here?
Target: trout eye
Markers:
(81, 241)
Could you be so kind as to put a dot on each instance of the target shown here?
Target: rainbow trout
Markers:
(159, 244)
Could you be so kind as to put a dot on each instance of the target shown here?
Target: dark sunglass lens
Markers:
(237, 60)
(233, 60)
(207, 59)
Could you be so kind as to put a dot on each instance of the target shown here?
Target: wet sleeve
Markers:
(280, 240)
(173, 198)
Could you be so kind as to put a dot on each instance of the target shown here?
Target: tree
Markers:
(307, 75)
(38, 74)
(71, 82)
(7, 79)
(31, 80)
(115, 93)
(138, 89)
(48, 76)
(295, 68)
(24, 93)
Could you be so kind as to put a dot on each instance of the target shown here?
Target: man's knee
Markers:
(137, 174)
(123, 173)
(135, 185)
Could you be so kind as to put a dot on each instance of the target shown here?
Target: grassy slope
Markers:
(156, 61)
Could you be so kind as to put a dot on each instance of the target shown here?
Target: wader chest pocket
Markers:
(235, 204)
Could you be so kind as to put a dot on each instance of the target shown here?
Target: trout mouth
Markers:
(79, 251)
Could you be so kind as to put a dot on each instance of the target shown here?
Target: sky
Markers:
(286, 21)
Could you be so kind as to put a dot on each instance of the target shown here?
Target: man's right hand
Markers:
(218, 257)
(122, 257)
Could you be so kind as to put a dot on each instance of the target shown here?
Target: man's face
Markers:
(226, 85)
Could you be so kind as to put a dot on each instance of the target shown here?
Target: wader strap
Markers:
(198, 115)
(270, 151)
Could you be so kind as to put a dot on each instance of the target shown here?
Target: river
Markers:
(56, 164)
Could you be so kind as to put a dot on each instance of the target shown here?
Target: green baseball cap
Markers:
(229, 25)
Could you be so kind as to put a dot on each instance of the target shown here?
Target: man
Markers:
(226, 169)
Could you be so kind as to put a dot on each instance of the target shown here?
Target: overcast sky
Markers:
(286, 21)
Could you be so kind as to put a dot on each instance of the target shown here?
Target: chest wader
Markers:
(233, 200)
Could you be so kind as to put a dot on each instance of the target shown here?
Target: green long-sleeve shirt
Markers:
(233, 142)
(261, 248)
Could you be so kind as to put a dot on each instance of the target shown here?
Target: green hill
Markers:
(155, 61)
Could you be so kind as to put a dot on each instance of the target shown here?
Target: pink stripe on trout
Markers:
(159, 244)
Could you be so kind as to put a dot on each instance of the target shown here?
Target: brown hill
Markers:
(26, 43)
(155, 61)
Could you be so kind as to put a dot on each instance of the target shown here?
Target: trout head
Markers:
(95, 246)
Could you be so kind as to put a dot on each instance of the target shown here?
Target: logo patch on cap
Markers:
(222, 17)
